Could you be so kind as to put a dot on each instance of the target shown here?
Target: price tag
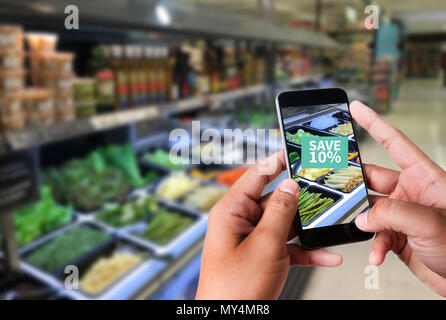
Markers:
(18, 180)
(325, 152)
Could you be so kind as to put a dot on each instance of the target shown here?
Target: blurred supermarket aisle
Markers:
(419, 113)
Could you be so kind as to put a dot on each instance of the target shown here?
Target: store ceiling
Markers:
(420, 15)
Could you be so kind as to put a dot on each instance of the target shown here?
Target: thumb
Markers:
(400, 216)
(281, 210)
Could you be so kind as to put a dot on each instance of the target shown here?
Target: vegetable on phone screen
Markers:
(293, 156)
(311, 204)
(345, 179)
(297, 137)
(312, 173)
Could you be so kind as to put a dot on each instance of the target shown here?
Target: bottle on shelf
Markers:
(117, 63)
(140, 76)
(105, 78)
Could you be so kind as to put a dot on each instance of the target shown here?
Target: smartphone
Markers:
(329, 200)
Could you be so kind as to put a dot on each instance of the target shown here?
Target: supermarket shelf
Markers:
(35, 136)
(30, 137)
(141, 15)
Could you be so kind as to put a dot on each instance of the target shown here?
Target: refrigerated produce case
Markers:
(154, 265)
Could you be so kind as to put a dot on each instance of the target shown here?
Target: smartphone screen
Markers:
(335, 194)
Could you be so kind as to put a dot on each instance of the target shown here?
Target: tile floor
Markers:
(420, 113)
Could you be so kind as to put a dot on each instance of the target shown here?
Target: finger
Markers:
(319, 257)
(403, 151)
(264, 200)
(380, 246)
(280, 211)
(252, 183)
(294, 227)
(400, 216)
(380, 179)
(374, 198)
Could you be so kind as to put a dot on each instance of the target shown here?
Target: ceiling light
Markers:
(162, 14)
(350, 14)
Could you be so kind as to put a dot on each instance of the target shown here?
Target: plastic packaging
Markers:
(39, 106)
(85, 108)
(84, 89)
(64, 107)
(12, 80)
(11, 59)
(58, 62)
(41, 42)
(11, 104)
(61, 83)
(11, 112)
(13, 122)
(11, 37)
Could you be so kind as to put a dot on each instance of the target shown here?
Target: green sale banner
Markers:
(325, 152)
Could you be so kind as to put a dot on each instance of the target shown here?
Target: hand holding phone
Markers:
(411, 216)
(322, 154)
(246, 255)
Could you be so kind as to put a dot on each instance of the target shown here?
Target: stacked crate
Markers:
(12, 77)
(52, 70)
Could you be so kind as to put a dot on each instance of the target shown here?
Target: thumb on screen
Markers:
(280, 210)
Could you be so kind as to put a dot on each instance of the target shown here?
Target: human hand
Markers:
(411, 219)
(245, 254)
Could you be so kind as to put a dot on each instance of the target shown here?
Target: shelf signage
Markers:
(18, 180)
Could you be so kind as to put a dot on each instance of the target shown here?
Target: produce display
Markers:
(203, 198)
(177, 185)
(65, 248)
(345, 129)
(87, 183)
(311, 204)
(40, 218)
(297, 137)
(129, 213)
(107, 270)
(105, 175)
(162, 158)
(165, 225)
(204, 174)
(312, 173)
(345, 179)
(229, 177)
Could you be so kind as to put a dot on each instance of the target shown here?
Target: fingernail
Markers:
(373, 258)
(361, 220)
(289, 186)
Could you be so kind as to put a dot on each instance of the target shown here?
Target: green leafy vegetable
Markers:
(66, 247)
(124, 158)
(86, 184)
(297, 137)
(293, 156)
(40, 218)
(165, 225)
(129, 213)
(162, 158)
